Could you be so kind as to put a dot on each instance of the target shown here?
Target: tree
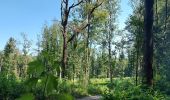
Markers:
(46, 64)
(148, 41)
(65, 12)
(110, 35)
(1, 60)
(135, 25)
(24, 59)
(9, 56)
(112, 7)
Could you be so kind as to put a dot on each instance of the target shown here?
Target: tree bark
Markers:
(137, 62)
(109, 48)
(64, 59)
(166, 14)
(148, 40)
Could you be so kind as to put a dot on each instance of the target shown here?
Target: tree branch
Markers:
(74, 5)
(82, 27)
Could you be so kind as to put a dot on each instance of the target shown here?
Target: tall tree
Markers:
(148, 41)
(26, 45)
(112, 8)
(135, 27)
(9, 57)
(65, 12)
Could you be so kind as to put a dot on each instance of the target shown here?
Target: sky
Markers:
(29, 16)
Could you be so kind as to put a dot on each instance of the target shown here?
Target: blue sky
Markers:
(29, 16)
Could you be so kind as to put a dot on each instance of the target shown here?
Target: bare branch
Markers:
(64, 1)
(83, 26)
(74, 5)
(95, 7)
(77, 31)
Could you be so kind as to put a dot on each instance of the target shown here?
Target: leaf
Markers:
(82, 49)
(51, 85)
(28, 96)
(100, 15)
(31, 82)
(35, 68)
(57, 65)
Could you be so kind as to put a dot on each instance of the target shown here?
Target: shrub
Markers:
(10, 88)
(127, 91)
(60, 97)
(96, 89)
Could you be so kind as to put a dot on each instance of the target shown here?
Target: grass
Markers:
(120, 89)
(96, 87)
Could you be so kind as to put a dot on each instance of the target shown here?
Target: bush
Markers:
(60, 97)
(125, 90)
(134, 94)
(64, 87)
(78, 91)
(96, 89)
(10, 88)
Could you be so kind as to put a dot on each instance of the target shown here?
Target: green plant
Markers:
(61, 97)
(125, 90)
(10, 87)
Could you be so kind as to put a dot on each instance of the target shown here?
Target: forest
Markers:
(86, 55)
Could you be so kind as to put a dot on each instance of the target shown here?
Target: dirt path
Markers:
(97, 97)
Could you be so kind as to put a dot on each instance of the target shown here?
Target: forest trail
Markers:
(97, 97)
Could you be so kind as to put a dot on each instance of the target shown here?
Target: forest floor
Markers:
(97, 97)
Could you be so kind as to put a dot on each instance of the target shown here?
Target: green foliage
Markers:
(43, 86)
(100, 15)
(97, 89)
(125, 90)
(31, 83)
(79, 92)
(61, 97)
(10, 87)
(64, 86)
(35, 68)
(10, 47)
(51, 85)
(28, 96)
(88, 57)
(163, 86)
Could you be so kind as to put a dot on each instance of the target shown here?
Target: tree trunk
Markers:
(64, 59)
(110, 64)
(109, 49)
(137, 63)
(87, 53)
(64, 22)
(148, 40)
(166, 14)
